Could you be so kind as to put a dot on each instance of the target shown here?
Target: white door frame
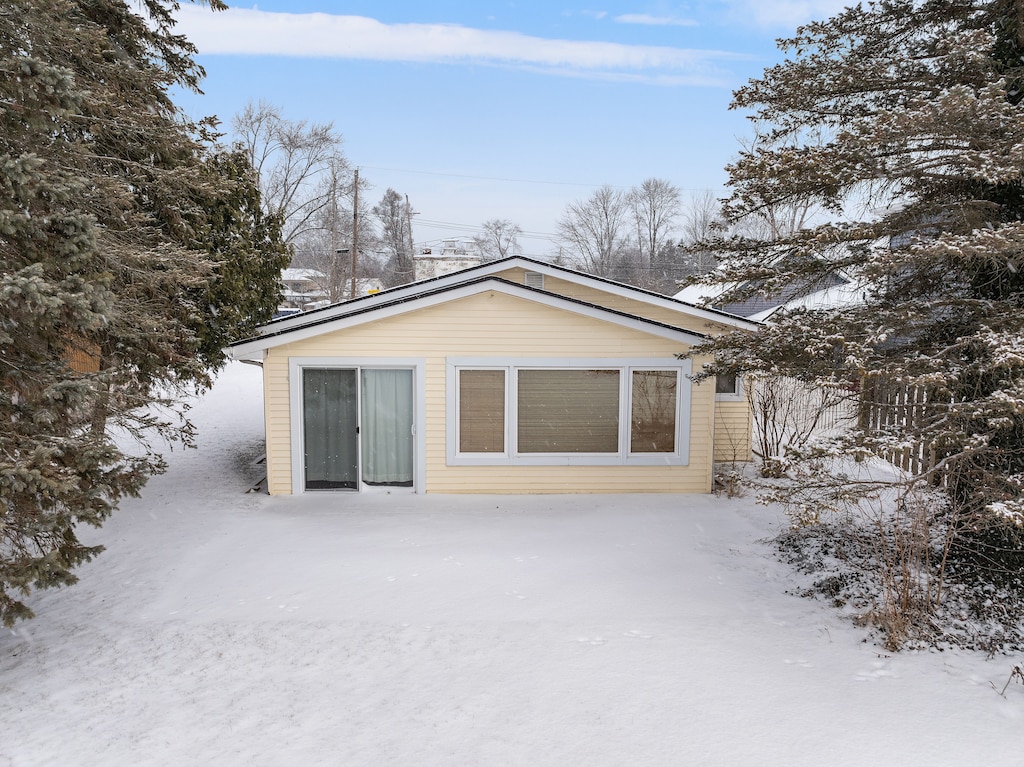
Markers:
(296, 365)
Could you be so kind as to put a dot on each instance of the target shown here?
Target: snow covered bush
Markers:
(787, 414)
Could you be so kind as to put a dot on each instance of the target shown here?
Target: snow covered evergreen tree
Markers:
(904, 119)
(131, 249)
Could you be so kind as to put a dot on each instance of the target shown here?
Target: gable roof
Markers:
(432, 293)
(492, 268)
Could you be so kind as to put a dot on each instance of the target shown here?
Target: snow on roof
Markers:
(290, 275)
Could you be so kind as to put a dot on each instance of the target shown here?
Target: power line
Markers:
(715, 190)
(480, 178)
(475, 229)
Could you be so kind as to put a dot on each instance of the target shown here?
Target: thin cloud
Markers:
(655, 21)
(318, 35)
(788, 14)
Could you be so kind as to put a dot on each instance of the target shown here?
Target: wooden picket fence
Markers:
(790, 412)
(886, 404)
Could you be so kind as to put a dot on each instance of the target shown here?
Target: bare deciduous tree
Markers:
(498, 238)
(393, 214)
(702, 223)
(592, 230)
(325, 245)
(655, 205)
(300, 165)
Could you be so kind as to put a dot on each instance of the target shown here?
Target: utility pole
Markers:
(355, 231)
(412, 254)
(334, 289)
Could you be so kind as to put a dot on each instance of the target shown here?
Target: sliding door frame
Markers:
(296, 367)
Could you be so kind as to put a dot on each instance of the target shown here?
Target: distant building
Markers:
(365, 286)
(453, 255)
(301, 288)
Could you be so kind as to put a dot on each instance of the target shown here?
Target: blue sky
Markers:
(481, 109)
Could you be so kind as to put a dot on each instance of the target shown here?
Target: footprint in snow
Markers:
(634, 634)
(801, 663)
(879, 672)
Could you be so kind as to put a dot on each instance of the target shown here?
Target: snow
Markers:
(228, 628)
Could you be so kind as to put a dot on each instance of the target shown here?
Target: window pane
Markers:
(653, 412)
(482, 411)
(725, 384)
(568, 411)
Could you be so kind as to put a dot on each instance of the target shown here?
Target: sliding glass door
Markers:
(331, 428)
(357, 425)
(387, 427)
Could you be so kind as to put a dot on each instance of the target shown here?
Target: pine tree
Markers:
(904, 120)
(130, 249)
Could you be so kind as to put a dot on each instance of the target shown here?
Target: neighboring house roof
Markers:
(432, 293)
(836, 292)
(366, 285)
(300, 275)
(491, 268)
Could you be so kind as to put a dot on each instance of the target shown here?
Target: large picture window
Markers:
(568, 411)
(631, 411)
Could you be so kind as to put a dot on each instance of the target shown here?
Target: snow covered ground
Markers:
(225, 628)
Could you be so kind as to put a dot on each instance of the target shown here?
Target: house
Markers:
(514, 376)
(305, 289)
(301, 288)
(453, 255)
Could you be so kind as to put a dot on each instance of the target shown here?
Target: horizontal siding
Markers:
(732, 431)
(278, 425)
(493, 325)
(677, 318)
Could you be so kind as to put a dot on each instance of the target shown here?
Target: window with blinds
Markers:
(568, 411)
(534, 413)
(482, 411)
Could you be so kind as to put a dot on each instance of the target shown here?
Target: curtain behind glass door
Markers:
(387, 427)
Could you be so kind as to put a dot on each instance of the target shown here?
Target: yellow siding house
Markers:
(514, 376)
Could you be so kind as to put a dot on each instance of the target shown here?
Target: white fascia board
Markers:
(256, 346)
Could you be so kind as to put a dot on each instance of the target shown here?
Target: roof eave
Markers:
(398, 304)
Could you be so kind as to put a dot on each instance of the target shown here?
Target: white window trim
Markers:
(295, 367)
(736, 396)
(625, 366)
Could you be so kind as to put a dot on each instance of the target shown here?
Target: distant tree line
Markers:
(646, 236)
